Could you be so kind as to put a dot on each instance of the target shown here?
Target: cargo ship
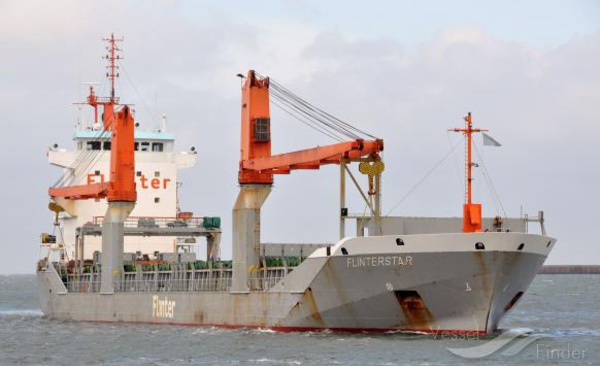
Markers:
(141, 262)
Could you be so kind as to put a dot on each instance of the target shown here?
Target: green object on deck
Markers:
(211, 222)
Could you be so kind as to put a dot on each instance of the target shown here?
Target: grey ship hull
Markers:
(431, 283)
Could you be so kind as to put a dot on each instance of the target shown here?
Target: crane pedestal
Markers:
(113, 245)
(246, 233)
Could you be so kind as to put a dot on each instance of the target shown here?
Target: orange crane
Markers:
(121, 186)
(257, 165)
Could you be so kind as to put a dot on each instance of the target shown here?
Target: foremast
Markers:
(472, 217)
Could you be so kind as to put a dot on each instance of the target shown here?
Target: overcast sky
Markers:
(404, 71)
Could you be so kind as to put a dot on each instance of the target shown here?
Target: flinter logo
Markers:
(163, 308)
(141, 181)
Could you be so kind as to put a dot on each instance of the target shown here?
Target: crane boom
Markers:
(80, 192)
(313, 158)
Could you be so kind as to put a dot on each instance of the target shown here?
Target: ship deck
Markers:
(145, 226)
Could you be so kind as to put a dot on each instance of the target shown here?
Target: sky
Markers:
(403, 71)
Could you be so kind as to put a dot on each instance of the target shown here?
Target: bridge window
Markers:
(145, 146)
(93, 145)
(157, 146)
(106, 145)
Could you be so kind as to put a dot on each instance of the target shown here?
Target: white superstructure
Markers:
(156, 166)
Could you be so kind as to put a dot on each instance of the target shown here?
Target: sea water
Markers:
(558, 321)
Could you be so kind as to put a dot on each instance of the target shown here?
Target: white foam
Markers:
(265, 330)
(33, 313)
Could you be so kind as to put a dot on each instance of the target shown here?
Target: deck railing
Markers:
(155, 222)
(215, 280)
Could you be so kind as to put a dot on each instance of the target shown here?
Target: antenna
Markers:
(109, 103)
(111, 57)
(163, 127)
(177, 186)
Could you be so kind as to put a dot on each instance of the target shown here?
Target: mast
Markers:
(111, 57)
(108, 103)
(471, 211)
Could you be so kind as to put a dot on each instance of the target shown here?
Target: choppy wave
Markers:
(272, 361)
(21, 313)
(563, 333)
(29, 338)
(555, 332)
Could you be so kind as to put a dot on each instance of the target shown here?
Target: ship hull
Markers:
(429, 283)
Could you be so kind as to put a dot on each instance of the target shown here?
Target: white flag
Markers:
(489, 141)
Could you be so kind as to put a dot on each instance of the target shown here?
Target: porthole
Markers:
(521, 246)
(344, 251)
(479, 246)
(399, 241)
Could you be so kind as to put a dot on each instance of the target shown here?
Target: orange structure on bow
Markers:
(257, 165)
(472, 218)
(121, 186)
